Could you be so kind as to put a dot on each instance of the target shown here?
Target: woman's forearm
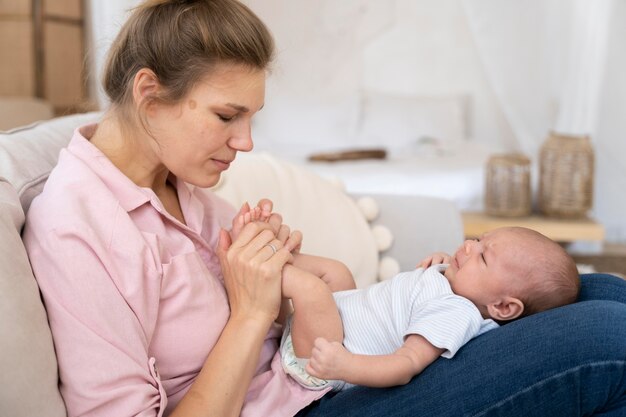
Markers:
(252, 279)
(222, 384)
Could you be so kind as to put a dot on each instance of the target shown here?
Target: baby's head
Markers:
(513, 272)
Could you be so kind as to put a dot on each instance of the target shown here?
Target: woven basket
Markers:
(507, 192)
(566, 176)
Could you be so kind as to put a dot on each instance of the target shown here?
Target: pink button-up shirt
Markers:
(135, 298)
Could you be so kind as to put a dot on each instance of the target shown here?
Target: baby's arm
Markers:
(330, 360)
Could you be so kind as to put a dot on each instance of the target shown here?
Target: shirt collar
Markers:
(129, 194)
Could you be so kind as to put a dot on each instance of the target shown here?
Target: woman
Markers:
(155, 311)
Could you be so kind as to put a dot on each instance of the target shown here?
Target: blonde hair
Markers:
(551, 275)
(181, 41)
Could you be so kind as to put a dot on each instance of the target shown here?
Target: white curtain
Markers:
(103, 21)
(545, 60)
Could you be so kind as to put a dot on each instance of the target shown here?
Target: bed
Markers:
(428, 145)
(456, 175)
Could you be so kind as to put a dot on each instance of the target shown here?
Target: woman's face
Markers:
(199, 137)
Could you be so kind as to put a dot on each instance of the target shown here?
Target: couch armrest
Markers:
(28, 366)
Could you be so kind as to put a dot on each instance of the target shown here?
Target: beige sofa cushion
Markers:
(28, 367)
(27, 154)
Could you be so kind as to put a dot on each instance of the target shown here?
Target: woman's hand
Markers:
(252, 271)
(435, 259)
(292, 241)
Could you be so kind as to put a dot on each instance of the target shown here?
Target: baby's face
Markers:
(480, 269)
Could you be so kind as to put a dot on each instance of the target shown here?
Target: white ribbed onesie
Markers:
(378, 318)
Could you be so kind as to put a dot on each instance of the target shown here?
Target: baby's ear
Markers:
(508, 308)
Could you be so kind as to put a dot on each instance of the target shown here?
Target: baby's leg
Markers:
(315, 312)
(334, 273)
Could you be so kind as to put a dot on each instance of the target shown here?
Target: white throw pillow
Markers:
(331, 222)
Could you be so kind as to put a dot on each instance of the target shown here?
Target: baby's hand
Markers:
(435, 259)
(328, 359)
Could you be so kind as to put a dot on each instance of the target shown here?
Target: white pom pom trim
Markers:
(369, 208)
(382, 237)
(337, 183)
(387, 268)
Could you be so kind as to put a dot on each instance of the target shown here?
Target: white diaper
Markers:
(295, 367)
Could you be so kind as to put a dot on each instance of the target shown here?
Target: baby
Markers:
(387, 333)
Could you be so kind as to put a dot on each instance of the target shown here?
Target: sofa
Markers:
(375, 235)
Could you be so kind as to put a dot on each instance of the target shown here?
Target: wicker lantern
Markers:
(566, 176)
(507, 191)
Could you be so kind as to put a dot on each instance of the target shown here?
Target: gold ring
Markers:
(272, 247)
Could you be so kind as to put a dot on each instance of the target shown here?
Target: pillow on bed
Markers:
(402, 123)
(308, 125)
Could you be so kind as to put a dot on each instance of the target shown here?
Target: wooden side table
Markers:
(559, 230)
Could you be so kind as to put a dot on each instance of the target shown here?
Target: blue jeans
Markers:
(570, 361)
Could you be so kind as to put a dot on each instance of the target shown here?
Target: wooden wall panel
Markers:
(17, 76)
(41, 51)
(16, 7)
(63, 62)
(71, 9)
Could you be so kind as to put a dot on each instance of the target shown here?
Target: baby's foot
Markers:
(245, 216)
(240, 220)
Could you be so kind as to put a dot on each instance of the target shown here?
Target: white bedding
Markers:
(456, 175)
(430, 148)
